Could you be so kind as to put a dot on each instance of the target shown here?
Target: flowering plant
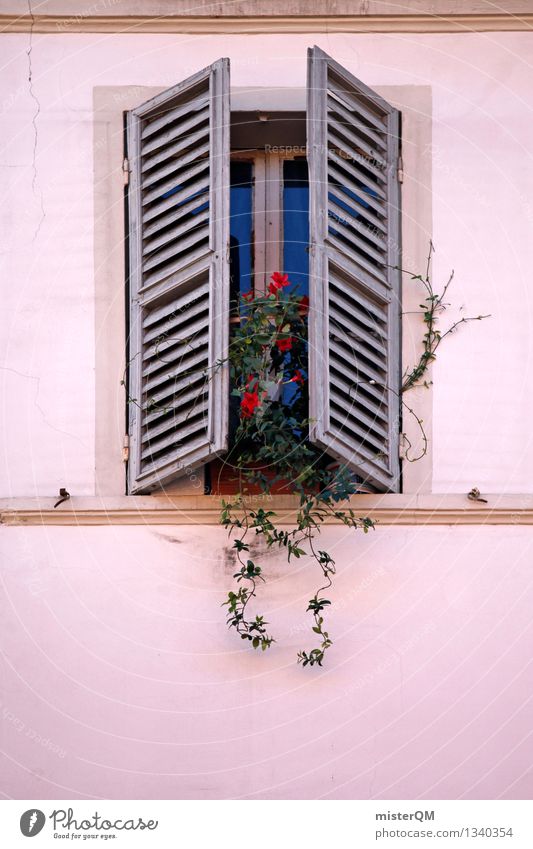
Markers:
(268, 372)
(270, 445)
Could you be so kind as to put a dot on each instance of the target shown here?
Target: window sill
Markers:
(205, 510)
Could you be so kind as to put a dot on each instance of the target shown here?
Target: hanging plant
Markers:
(268, 373)
(271, 447)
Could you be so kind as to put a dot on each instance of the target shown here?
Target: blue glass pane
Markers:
(295, 236)
(241, 255)
(296, 224)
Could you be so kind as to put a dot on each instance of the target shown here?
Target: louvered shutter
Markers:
(354, 321)
(178, 204)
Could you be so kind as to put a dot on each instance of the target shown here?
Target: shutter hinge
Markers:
(126, 171)
(400, 169)
(403, 446)
(126, 449)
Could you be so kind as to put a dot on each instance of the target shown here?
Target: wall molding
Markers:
(256, 24)
(205, 510)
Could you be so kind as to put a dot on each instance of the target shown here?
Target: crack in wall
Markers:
(38, 407)
(36, 189)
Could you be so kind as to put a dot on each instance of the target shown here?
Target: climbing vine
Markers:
(431, 310)
(434, 305)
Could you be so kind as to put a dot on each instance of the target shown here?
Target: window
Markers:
(331, 220)
(269, 218)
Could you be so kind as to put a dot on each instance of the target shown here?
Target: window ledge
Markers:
(205, 510)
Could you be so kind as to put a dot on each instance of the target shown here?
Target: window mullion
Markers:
(274, 215)
(259, 223)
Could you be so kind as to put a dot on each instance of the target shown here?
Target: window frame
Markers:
(110, 103)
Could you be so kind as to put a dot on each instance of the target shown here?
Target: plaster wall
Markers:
(53, 322)
(120, 679)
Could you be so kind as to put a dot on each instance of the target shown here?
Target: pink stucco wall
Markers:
(120, 679)
(118, 676)
(482, 185)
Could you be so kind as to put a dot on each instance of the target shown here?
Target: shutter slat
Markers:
(166, 347)
(171, 235)
(179, 364)
(348, 142)
(180, 130)
(376, 406)
(188, 257)
(175, 322)
(192, 373)
(357, 102)
(199, 235)
(364, 420)
(173, 325)
(173, 217)
(376, 248)
(360, 303)
(357, 332)
(179, 301)
(187, 428)
(172, 150)
(345, 352)
(355, 257)
(361, 252)
(363, 437)
(189, 405)
(351, 117)
(357, 205)
(172, 115)
(355, 166)
(178, 180)
(161, 360)
(195, 190)
(179, 402)
(178, 201)
(376, 164)
(354, 368)
(173, 467)
(199, 152)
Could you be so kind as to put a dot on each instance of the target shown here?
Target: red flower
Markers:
(278, 281)
(250, 400)
(303, 306)
(284, 344)
(297, 377)
(248, 296)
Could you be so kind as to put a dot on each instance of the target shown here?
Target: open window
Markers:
(207, 222)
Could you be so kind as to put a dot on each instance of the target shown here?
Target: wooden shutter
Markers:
(354, 321)
(178, 203)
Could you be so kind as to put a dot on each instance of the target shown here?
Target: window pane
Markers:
(295, 236)
(241, 263)
(296, 223)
